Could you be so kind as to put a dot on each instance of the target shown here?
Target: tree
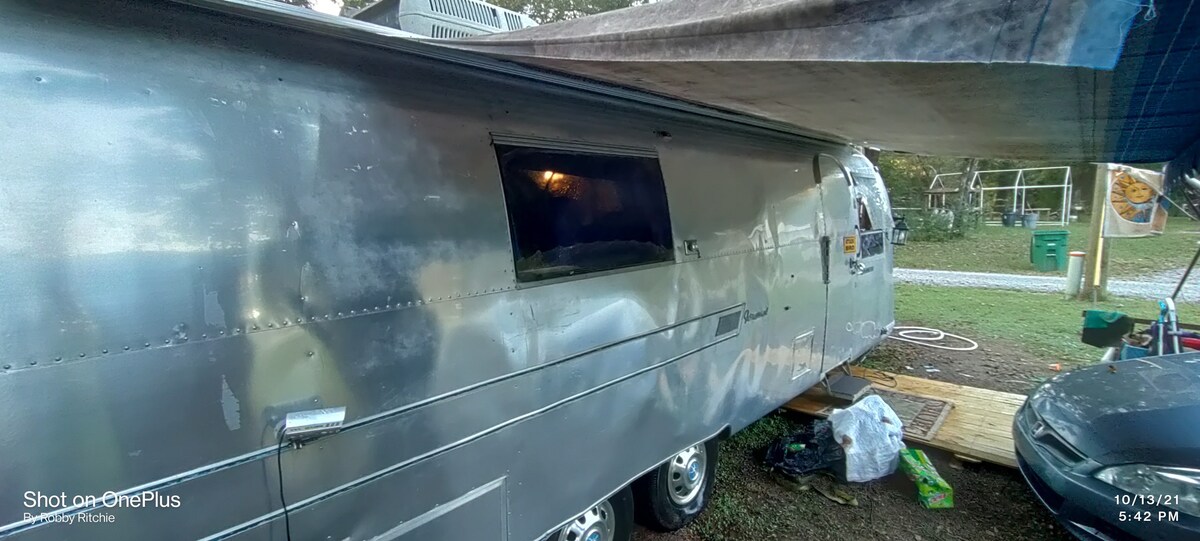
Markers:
(908, 175)
(965, 215)
(548, 11)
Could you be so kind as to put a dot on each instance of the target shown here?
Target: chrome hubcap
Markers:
(595, 524)
(685, 475)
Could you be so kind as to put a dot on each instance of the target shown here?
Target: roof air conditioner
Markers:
(444, 18)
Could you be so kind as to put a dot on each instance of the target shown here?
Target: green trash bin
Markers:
(1048, 250)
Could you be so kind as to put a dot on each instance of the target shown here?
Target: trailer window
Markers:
(864, 215)
(573, 212)
(871, 238)
(871, 243)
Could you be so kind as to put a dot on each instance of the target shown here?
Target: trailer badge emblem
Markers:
(749, 316)
(850, 244)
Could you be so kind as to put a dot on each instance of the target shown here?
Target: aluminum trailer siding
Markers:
(214, 217)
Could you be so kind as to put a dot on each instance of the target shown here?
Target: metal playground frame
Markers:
(935, 196)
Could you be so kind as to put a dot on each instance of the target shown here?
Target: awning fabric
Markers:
(1066, 80)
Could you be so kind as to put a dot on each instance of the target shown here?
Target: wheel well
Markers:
(725, 433)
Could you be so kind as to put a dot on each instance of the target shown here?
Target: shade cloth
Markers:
(1065, 80)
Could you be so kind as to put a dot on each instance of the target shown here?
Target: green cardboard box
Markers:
(932, 491)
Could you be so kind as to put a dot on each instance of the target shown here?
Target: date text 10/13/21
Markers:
(1148, 500)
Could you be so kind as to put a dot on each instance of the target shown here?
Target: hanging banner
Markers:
(1136, 206)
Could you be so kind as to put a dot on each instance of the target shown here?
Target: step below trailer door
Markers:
(841, 266)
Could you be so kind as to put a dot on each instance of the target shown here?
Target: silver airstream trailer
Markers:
(539, 300)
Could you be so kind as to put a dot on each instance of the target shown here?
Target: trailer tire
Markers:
(616, 511)
(666, 499)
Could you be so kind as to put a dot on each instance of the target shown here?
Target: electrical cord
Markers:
(266, 477)
(925, 336)
(287, 523)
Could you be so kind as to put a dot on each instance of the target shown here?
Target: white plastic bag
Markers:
(872, 436)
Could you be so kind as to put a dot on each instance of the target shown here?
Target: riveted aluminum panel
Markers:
(231, 221)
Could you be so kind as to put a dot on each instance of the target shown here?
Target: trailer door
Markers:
(874, 250)
(839, 242)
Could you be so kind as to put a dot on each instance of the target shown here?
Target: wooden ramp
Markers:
(979, 426)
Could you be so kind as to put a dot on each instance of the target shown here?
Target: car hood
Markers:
(1143, 410)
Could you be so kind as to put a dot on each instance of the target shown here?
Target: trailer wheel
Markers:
(674, 494)
(610, 520)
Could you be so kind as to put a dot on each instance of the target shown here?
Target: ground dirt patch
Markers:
(751, 503)
(996, 365)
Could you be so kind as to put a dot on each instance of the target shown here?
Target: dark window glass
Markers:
(871, 243)
(574, 212)
(864, 215)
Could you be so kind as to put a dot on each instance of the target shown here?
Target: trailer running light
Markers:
(301, 426)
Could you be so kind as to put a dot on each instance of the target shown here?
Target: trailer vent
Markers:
(467, 9)
(729, 323)
(514, 21)
(439, 31)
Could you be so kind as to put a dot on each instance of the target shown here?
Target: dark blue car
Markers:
(1113, 450)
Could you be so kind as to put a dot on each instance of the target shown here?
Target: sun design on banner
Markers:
(1132, 199)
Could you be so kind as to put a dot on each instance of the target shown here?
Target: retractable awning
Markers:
(1066, 80)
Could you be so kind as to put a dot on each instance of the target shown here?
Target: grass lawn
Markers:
(1006, 249)
(1043, 324)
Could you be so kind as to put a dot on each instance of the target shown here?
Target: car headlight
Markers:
(1177, 488)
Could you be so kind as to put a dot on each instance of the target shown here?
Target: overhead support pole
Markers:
(1095, 263)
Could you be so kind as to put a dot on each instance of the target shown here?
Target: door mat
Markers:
(922, 417)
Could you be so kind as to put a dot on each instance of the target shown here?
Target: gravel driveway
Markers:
(1049, 284)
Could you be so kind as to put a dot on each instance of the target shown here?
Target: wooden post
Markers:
(1095, 263)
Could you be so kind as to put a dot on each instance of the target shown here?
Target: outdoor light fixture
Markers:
(899, 231)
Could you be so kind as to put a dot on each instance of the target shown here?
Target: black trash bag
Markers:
(810, 449)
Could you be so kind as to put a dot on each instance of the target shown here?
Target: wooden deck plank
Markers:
(979, 425)
(937, 389)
